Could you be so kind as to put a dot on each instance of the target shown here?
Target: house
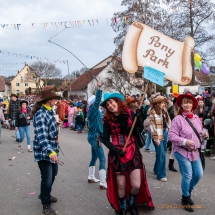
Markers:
(24, 80)
(86, 85)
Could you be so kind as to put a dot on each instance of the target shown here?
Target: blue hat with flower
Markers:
(109, 95)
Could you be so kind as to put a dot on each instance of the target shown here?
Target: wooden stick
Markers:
(135, 119)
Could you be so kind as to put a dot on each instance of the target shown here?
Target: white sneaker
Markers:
(213, 158)
(163, 179)
(152, 152)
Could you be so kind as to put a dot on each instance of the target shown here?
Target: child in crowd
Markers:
(79, 120)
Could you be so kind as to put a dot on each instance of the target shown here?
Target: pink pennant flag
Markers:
(14, 25)
(93, 22)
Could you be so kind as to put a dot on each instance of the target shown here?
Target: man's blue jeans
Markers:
(22, 131)
(48, 172)
(160, 161)
(191, 173)
(79, 127)
(97, 152)
(149, 142)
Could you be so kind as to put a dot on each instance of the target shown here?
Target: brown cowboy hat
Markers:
(187, 95)
(159, 99)
(130, 100)
(13, 94)
(46, 94)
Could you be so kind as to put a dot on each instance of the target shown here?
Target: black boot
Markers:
(123, 206)
(171, 167)
(187, 203)
(207, 154)
(47, 210)
(131, 204)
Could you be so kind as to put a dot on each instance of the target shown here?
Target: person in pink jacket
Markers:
(186, 145)
(71, 113)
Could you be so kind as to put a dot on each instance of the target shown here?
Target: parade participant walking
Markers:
(23, 117)
(2, 119)
(71, 113)
(160, 122)
(95, 132)
(126, 173)
(131, 103)
(13, 108)
(184, 133)
(46, 146)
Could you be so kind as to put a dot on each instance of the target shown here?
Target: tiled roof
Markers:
(82, 81)
(204, 79)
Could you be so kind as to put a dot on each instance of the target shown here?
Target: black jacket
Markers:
(13, 108)
(21, 119)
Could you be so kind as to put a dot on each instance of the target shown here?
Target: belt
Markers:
(190, 150)
(52, 138)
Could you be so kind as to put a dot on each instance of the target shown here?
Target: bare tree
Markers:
(184, 18)
(46, 70)
(119, 80)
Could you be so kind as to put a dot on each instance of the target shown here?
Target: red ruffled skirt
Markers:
(115, 165)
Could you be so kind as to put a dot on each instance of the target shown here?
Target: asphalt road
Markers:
(20, 182)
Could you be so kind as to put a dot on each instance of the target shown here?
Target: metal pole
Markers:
(71, 53)
(153, 28)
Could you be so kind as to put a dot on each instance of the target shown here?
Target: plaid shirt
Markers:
(46, 129)
(156, 125)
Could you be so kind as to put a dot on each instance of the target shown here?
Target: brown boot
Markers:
(53, 199)
(47, 210)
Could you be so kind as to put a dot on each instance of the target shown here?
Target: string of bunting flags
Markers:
(166, 8)
(12, 64)
(8, 70)
(33, 57)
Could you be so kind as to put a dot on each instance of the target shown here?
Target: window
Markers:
(17, 91)
(17, 84)
(21, 79)
(109, 82)
(138, 75)
(26, 84)
(27, 69)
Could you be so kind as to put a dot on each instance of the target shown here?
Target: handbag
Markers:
(140, 140)
(201, 154)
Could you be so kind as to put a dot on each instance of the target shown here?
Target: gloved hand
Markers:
(138, 112)
(121, 153)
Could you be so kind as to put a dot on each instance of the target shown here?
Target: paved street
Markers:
(21, 176)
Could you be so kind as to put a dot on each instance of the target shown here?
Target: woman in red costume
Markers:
(126, 181)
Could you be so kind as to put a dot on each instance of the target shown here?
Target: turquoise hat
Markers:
(109, 95)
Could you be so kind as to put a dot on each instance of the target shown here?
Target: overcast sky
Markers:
(91, 44)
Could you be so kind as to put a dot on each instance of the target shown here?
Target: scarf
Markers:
(189, 115)
(24, 110)
(47, 107)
